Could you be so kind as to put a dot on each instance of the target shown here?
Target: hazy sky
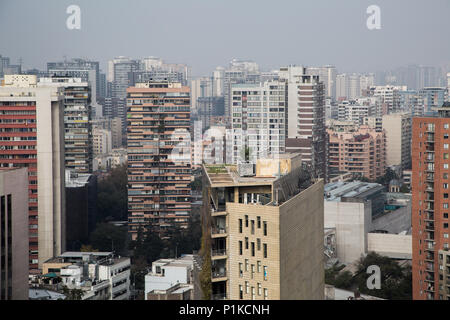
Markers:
(208, 33)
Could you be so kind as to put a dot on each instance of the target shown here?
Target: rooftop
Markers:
(336, 190)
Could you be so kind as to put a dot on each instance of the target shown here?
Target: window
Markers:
(259, 289)
(445, 186)
(241, 271)
(258, 222)
(445, 125)
(445, 225)
(247, 286)
(252, 268)
(246, 243)
(258, 266)
(445, 145)
(240, 225)
(246, 221)
(265, 228)
(445, 155)
(445, 135)
(445, 165)
(258, 244)
(265, 249)
(266, 294)
(240, 248)
(445, 195)
(253, 293)
(241, 292)
(265, 272)
(253, 226)
(445, 176)
(253, 249)
(445, 205)
(246, 265)
(446, 235)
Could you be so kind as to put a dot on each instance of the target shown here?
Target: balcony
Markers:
(218, 254)
(219, 274)
(218, 232)
(215, 213)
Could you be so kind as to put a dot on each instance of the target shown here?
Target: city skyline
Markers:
(205, 47)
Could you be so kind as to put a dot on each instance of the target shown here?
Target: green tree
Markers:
(108, 237)
(396, 280)
(112, 195)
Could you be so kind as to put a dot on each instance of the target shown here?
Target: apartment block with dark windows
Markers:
(159, 168)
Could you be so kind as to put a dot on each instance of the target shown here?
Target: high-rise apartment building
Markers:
(122, 69)
(87, 71)
(258, 120)
(159, 169)
(77, 122)
(361, 152)
(327, 74)
(264, 233)
(306, 132)
(13, 234)
(430, 205)
(101, 141)
(432, 97)
(389, 98)
(32, 136)
(397, 127)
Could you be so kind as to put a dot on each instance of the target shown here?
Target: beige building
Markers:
(13, 234)
(39, 146)
(102, 141)
(397, 127)
(265, 233)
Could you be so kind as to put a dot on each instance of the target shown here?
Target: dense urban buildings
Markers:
(159, 153)
(13, 234)
(98, 275)
(430, 161)
(32, 136)
(265, 231)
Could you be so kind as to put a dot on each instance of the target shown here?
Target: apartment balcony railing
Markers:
(219, 252)
(218, 273)
(218, 230)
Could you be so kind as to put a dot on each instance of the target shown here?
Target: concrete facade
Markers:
(397, 127)
(44, 107)
(352, 222)
(14, 234)
(266, 235)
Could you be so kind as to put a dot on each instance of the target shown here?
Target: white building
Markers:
(101, 141)
(100, 275)
(258, 119)
(166, 273)
(349, 208)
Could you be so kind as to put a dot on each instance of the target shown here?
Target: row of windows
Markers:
(253, 247)
(253, 291)
(258, 225)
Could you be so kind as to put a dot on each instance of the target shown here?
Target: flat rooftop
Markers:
(226, 176)
(336, 190)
